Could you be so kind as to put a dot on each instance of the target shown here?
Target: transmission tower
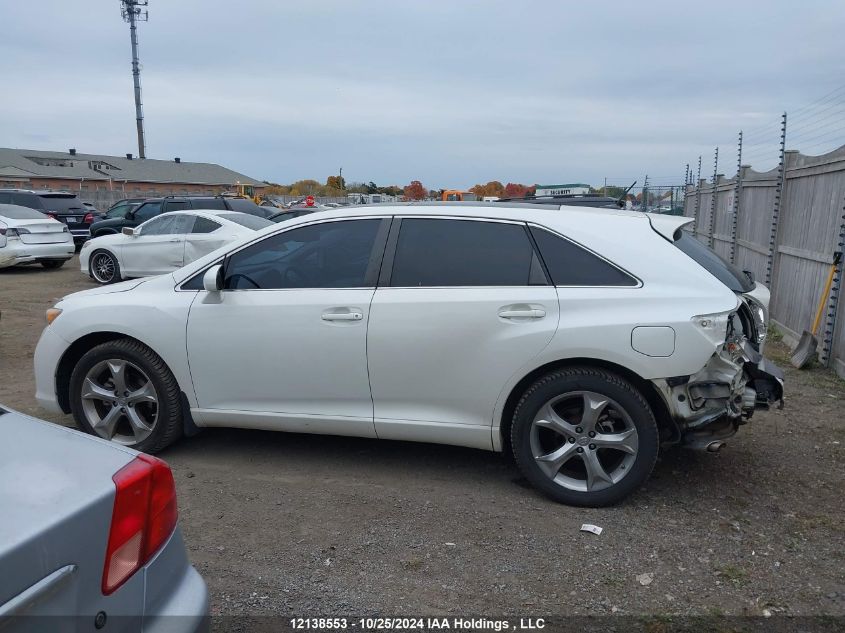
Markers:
(134, 11)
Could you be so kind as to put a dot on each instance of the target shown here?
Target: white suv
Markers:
(579, 339)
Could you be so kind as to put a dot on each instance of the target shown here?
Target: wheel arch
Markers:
(75, 352)
(666, 425)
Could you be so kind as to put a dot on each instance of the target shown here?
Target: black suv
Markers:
(64, 207)
(152, 207)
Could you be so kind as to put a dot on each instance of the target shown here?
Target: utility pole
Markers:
(133, 11)
(713, 201)
(340, 180)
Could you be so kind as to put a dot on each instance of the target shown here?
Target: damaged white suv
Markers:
(579, 339)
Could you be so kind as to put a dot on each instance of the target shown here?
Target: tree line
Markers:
(336, 186)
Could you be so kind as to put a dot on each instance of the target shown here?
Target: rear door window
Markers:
(204, 225)
(445, 252)
(572, 265)
(27, 200)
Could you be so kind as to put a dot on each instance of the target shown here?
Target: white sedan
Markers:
(164, 243)
(28, 236)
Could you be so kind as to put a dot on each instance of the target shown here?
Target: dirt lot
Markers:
(312, 525)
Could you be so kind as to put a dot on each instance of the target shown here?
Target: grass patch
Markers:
(734, 574)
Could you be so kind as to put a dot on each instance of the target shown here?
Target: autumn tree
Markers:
(335, 182)
(515, 190)
(492, 188)
(415, 191)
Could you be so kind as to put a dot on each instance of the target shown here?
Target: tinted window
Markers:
(5, 197)
(15, 212)
(327, 255)
(462, 253)
(176, 205)
(572, 265)
(27, 200)
(147, 211)
(215, 204)
(713, 263)
(120, 210)
(248, 206)
(61, 203)
(249, 221)
(204, 225)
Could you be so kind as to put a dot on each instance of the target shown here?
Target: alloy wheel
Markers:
(102, 267)
(584, 441)
(119, 401)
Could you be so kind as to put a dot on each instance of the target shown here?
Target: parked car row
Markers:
(83, 221)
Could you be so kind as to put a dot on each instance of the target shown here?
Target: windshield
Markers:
(713, 263)
(249, 221)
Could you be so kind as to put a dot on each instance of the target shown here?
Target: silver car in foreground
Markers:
(88, 536)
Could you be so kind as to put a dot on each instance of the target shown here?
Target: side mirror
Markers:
(212, 280)
(130, 215)
(128, 230)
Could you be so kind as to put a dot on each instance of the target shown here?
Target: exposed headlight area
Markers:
(713, 326)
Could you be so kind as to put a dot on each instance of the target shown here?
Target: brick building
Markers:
(104, 179)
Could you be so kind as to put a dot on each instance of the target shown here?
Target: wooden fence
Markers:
(785, 228)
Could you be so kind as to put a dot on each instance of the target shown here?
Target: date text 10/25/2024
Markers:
(417, 624)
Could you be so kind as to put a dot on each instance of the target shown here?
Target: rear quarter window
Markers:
(572, 265)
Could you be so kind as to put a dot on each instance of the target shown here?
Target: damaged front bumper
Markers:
(709, 406)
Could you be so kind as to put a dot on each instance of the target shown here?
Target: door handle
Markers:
(176, 239)
(533, 313)
(342, 316)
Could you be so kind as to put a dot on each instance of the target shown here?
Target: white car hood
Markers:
(123, 286)
(105, 240)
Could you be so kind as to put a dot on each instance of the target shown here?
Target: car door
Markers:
(462, 305)
(157, 247)
(283, 345)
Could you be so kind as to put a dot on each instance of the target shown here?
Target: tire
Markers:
(103, 267)
(52, 264)
(146, 412)
(552, 445)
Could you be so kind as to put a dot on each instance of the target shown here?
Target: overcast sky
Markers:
(450, 92)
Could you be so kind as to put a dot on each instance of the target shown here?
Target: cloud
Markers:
(451, 93)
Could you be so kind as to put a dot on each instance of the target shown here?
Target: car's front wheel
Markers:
(103, 267)
(123, 392)
(584, 436)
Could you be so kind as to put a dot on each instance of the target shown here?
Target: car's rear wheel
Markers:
(104, 267)
(53, 263)
(584, 436)
(123, 392)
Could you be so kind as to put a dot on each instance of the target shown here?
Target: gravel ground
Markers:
(313, 525)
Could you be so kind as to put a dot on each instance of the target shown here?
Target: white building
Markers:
(562, 190)
(370, 198)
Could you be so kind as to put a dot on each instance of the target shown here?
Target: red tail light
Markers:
(89, 218)
(143, 518)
